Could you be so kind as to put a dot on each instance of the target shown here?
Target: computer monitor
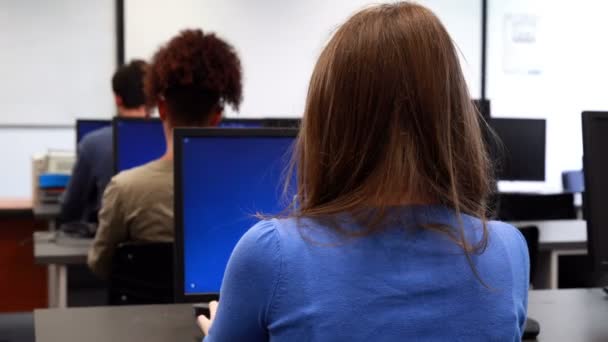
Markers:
(595, 166)
(137, 142)
(260, 123)
(86, 126)
(241, 123)
(223, 178)
(519, 154)
(483, 106)
(282, 122)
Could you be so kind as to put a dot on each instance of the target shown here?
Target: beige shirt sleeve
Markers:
(112, 231)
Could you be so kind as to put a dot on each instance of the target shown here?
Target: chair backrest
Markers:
(531, 235)
(535, 207)
(142, 273)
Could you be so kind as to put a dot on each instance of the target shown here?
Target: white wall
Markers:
(17, 145)
(572, 61)
(56, 64)
(57, 60)
(279, 40)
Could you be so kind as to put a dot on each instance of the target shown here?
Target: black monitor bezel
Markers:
(115, 135)
(178, 135)
(588, 118)
(242, 121)
(282, 122)
(79, 122)
(500, 177)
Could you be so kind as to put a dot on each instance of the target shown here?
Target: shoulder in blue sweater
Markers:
(297, 280)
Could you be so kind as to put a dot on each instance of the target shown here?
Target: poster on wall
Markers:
(522, 54)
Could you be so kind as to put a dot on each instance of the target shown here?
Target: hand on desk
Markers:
(205, 323)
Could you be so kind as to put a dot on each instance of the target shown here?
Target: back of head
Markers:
(195, 74)
(389, 120)
(128, 84)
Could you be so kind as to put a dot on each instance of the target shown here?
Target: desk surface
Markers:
(559, 234)
(564, 315)
(148, 323)
(570, 315)
(48, 251)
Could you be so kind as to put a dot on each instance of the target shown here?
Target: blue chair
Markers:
(573, 181)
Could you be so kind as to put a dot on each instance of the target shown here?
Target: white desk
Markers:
(558, 237)
(57, 255)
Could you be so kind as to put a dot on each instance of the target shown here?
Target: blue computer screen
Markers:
(85, 127)
(225, 182)
(241, 124)
(138, 142)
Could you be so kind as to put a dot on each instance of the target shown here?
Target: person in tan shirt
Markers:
(190, 80)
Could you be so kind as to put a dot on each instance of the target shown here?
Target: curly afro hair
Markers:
(197, 74)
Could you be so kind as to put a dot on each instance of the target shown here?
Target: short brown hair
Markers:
(128, 84)
(388, 120)
(197, 74)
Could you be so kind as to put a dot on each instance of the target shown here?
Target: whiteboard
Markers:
(57, 60)
(279, 40)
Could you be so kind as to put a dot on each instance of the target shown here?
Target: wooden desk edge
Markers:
(16, 208)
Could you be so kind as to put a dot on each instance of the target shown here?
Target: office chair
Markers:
(513, 207)
(531, 235)
(142, 273)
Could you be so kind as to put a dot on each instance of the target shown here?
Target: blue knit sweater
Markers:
(291, 280)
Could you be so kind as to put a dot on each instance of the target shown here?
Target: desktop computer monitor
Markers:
(519, 152)
(483, 106)
(595, 166)
(241, 123)
(86, 126)
(282, 122)
(137, 142)
(223, 178)
(260, 123)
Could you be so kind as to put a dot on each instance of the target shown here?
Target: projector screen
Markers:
(279, 40)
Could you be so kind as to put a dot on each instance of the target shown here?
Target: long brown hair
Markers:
(389, 121)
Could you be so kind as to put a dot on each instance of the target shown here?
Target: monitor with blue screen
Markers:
(137, 142)
(223, 178)
(86, 126)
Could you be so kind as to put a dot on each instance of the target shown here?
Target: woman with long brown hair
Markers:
(388, 238)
